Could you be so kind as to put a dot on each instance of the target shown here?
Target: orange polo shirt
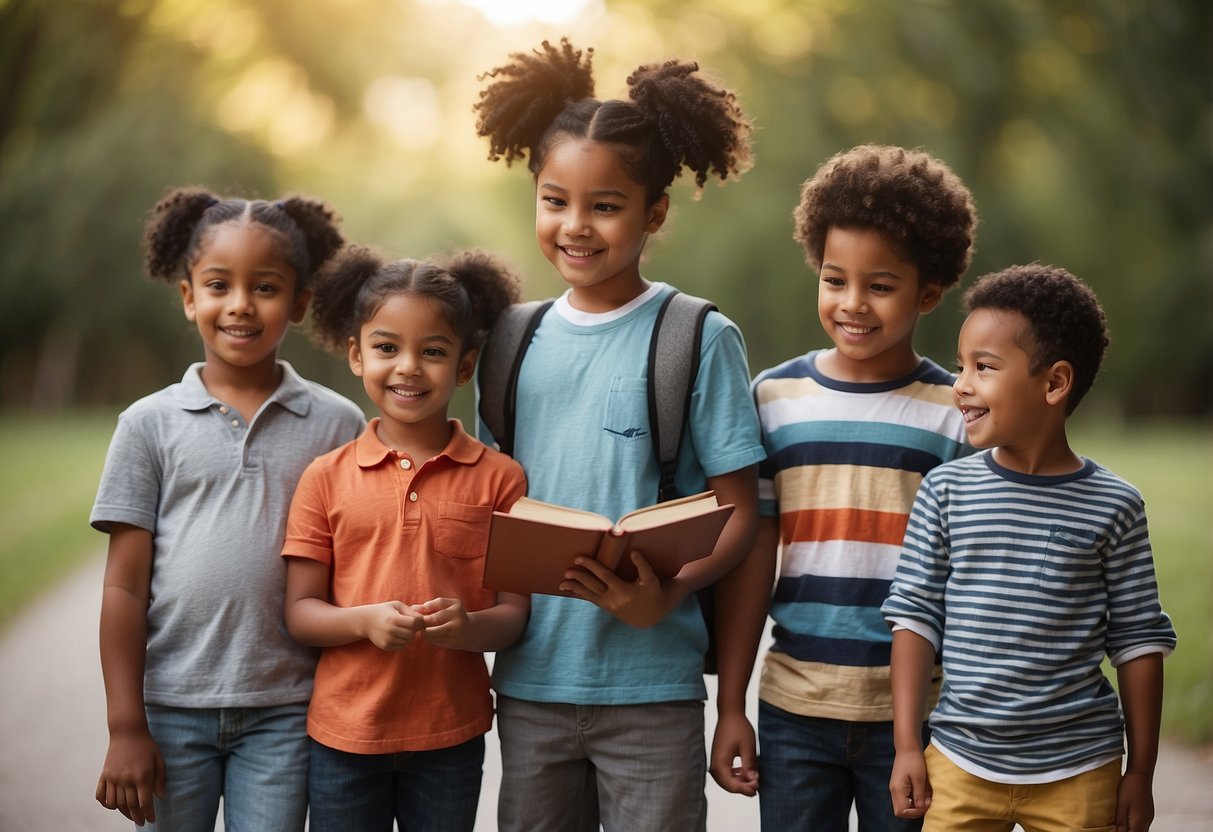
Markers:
(391, 529)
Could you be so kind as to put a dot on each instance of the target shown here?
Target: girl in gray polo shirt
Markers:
(207, 694)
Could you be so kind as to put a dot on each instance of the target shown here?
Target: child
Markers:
(385, 548)
(849, 432)
(207, 694)
(1024, 565)
(600, 704)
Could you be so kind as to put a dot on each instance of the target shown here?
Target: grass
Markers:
(48, 477)
(1172, 466)
(50, 468)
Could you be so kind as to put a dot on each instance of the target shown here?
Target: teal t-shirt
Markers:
(583, 437)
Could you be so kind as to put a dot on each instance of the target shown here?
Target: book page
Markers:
(530, 509)
(667, 512)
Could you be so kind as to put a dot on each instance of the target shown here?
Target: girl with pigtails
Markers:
(385, 550)
(600, 704)
(206, 691)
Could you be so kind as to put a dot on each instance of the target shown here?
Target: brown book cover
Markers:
(532, 545)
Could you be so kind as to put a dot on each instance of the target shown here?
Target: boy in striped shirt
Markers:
(1024, 565)
(849, 433)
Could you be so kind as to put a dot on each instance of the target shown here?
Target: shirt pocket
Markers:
(626, 418)
(1072, 565)
(463, 530)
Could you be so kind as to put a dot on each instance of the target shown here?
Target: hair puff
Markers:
(516, 111)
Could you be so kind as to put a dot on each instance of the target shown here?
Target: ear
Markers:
(932, 294)
(1060, 381)
(657, 213)
(467, 366)
(299, 307)
(355, 357)
(187, 300)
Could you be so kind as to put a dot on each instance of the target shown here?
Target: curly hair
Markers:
(182, 222)
(673, 118)
(1065, 320)
(471, 287)
(912, 198)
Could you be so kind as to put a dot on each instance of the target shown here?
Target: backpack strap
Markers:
(500, 360)
(673, 365)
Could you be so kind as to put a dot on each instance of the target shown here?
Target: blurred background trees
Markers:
(1085, 130)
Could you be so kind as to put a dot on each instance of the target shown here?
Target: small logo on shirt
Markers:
(630, 433)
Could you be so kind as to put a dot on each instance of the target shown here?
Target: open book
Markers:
(531, 547)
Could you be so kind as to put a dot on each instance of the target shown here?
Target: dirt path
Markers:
(52, 732)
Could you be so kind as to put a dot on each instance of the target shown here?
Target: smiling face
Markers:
(1004, 401)
(410, 361)
(241, 296)
(868, 301)
(591, 222)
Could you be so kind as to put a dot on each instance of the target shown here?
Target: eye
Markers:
(829, 280)
(385, 348)
(606, 208)
(554, 201)
(265, 288)
(216, 285)
(434, 352)
(982, 367)
(881, 288)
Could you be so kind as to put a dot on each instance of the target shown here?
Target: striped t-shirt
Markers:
(1025, 582)
(844, 461)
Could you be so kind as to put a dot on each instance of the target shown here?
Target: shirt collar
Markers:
(462, 449)
(292, 393)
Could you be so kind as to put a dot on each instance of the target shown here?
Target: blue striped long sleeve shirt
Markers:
(1025, 583)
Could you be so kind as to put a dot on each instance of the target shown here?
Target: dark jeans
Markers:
(423, 791)
(811, 770)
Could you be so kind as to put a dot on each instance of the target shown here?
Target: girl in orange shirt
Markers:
(385, 549)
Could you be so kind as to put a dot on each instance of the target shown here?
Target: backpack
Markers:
(673, 365)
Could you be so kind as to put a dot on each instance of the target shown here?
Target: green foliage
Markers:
(1083, 130)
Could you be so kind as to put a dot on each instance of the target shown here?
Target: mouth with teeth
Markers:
(855, 330)
(241, 332)
(408, 394)
(972, 414)
(577, 253)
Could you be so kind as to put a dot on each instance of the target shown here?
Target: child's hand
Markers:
(733, 742)
(132, 773)
(641, 603)
(909, 786)
(1134, 803)
(446, 621)
(391, 625)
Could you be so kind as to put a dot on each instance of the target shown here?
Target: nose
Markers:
(240, 301)
(576, 223)
(407, 364)
(962, 387)
(854, 299)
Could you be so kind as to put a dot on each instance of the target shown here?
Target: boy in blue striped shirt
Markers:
(1023, 566)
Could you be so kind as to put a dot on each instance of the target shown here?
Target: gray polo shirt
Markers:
(214, 491)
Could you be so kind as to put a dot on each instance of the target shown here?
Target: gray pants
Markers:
(632, 768)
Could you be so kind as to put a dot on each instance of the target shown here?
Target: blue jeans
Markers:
(423, 791)
(255, 758)
(811, 770)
